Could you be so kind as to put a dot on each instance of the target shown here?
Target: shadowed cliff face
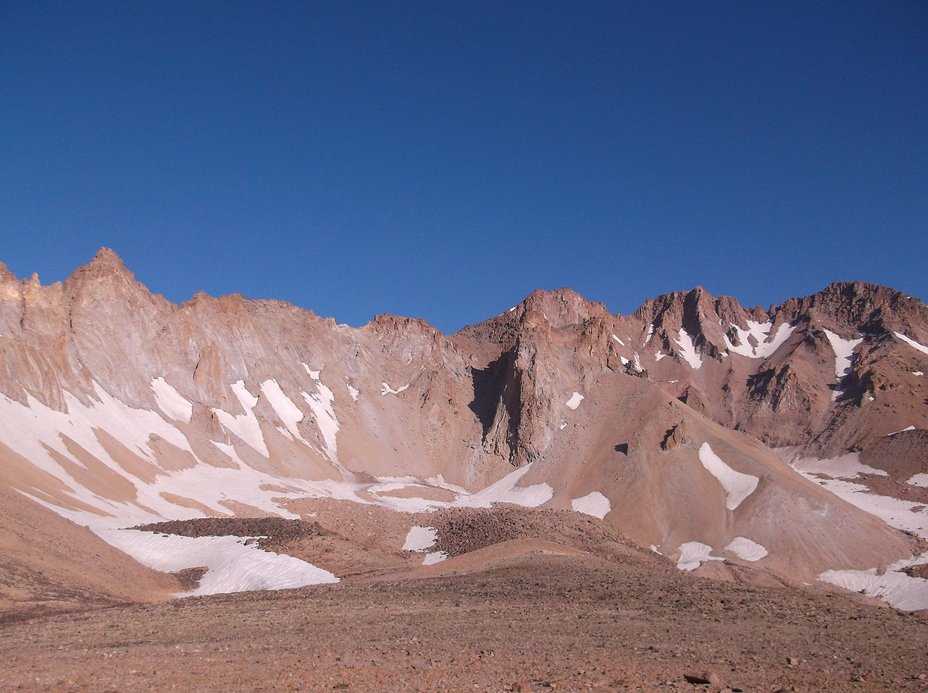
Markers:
(122, 407)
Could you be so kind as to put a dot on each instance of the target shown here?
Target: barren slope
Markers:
(118, 407)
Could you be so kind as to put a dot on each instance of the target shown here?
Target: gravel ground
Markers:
(540, 622)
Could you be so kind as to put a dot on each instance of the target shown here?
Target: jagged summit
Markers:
(107, 257)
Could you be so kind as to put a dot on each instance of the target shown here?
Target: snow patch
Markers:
(506, 491)
(844, 358)
(323, 405)
(846, 466)
(618, 340)
(767, 341)
(693, 554)
(420, 538)
(737, 486)
(658, 356)
(170, 401)
(905, 515)
(246, 425)
(228, 450)
(912, 343)
(595, 504)
(33, 430)
(353, 392)
(688, 350)
(746, 549)
(899, 589)
(907, 428)
(385, 389)
(574, 400)
(232, 566)
(917, 373)
(650, 333)
(919, 480)
(288, 413)
(434, 557)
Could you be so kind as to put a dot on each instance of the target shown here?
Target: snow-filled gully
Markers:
(37, 432)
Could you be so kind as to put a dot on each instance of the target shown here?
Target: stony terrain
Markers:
(536, 622)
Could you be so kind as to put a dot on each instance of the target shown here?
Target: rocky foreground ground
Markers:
(543, 620)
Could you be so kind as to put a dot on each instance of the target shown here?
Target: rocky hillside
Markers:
(721, 437)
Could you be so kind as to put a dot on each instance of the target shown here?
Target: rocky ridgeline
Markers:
(661, 423)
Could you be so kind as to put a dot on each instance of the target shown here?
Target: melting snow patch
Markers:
(688, 350)
(233, 566)
(618, 340)
(354, 392)
(658, 356)
(170, 401)
(917, 373)
(574, 400)
(595, 504)
(844, 357)
(420, 538)
(746, 549)
(286, 410)
(737, 486)
(904, 515)
(506, 491)
(767, 343)
(623, 360)
(919, 480)
(901, 590)
(33, 430)
(650, 333)
(434, 557)
(846, 466)
(912, 343)
(907, 428)
(323, 408)
(387, 390)
(246, 425)
(228, 450)
(693, 554)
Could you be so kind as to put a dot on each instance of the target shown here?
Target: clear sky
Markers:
(442, 160)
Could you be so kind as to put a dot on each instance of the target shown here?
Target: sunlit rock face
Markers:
(676, 425)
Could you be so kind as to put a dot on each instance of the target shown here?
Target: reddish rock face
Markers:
(114, 397)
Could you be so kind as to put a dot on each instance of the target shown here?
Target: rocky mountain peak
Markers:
(561, 308)
(858, 306)
(105, 270)
(386, 323)
(106, 260)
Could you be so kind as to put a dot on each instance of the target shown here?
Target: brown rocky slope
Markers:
(119, 407)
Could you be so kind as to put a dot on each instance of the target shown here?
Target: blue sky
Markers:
(443, 160)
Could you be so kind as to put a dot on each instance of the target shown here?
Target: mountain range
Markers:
(785, 447)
